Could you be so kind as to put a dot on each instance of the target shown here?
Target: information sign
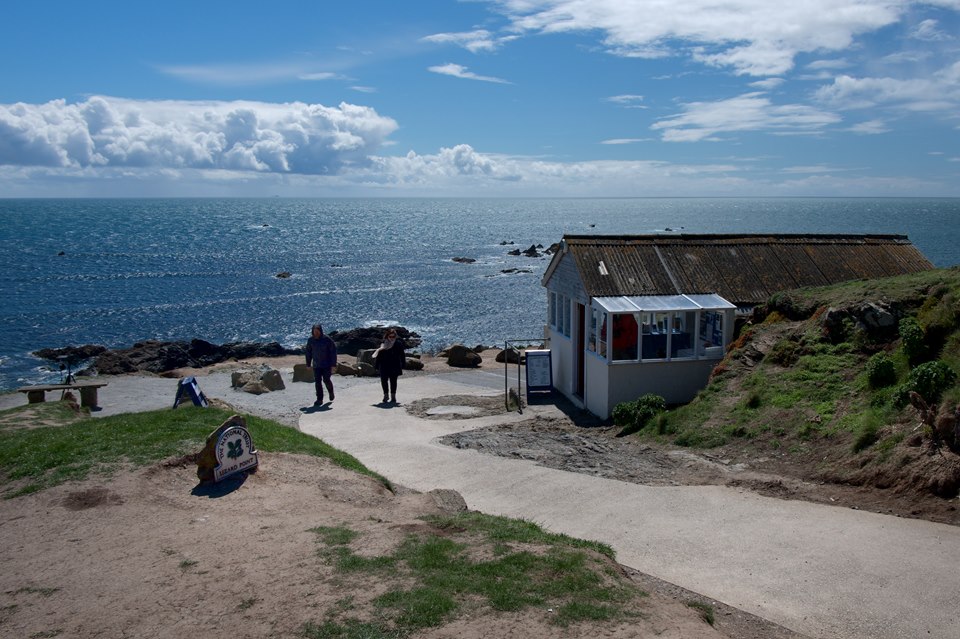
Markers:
(539, 371)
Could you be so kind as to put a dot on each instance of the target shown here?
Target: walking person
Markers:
(322, 356)
(388, 360)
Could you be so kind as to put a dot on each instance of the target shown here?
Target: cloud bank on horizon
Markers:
(566, 97)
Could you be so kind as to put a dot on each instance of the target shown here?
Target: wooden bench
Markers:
(88, 392)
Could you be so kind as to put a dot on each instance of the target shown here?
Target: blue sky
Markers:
(481, 98)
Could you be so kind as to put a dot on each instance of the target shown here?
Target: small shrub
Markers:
(867, 432)
(912, 340)
(784, 353)
(881, 371)
(931, 379)
(633, 416)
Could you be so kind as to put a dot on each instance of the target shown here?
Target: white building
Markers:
(630, 315)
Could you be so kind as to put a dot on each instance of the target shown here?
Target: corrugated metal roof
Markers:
(745, 269)
(661, 303)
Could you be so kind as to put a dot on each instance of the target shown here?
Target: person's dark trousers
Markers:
(392, 379)
(321, 378)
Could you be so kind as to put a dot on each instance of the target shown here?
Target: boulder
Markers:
(342, 369)
(255, 388)
(413, 364)
(284, 275)
(239, 379)
(448, 501)
(460, 356)
(303, 373)
(273, 380)
(511, 356)
(366, 370)
(514, 252)
(464, 260)
(365, 356)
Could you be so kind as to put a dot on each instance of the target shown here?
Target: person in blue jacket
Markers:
(322, 356)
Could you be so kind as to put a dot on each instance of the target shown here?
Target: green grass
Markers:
(44, 457)
(705, 610)
(432, 575)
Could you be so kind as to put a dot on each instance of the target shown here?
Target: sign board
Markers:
(539, 371)
(235, 453)
(188, 386)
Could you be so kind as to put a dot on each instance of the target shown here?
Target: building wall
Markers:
(596, 386)
(566, 281)
(677, 382)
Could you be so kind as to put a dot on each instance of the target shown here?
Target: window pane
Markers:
(603, 334)
(625, 329)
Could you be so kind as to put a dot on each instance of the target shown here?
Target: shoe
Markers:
(319, 402)
(385, 399)
(331, 396)
(393, 400)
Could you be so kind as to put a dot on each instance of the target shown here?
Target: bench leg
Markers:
(88, 397)
(36, 396)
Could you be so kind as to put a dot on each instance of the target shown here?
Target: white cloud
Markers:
(616, 141)
(749, 112)
(247, 74)
(810, 170)
(325, 75)
(625, 99)
(459, 71)
(819, 65)
(938, 92)
(754, 37)
(870, 127)
(929, 31)
(242, 136)
(769, 83)
(473, 41)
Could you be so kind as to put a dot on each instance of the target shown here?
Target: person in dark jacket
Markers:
(389, 359)
(322, 356)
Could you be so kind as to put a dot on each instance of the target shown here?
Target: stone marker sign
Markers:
(229, 450)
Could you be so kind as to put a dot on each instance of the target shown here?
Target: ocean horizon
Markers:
(117, 271)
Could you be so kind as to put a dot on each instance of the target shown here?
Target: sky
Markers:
(497, 98)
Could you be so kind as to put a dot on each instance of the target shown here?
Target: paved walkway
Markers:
(827, 572)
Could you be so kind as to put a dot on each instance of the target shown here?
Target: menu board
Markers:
(539, 371)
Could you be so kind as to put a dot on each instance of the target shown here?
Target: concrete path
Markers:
(822, 571)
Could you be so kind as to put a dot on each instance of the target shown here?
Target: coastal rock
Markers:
(511, 356)
(273, 380)
(464, 260)
(532, 251)
(514, 252)
(366, 370)
(73, 354)
(255, 388)
(239, 379)
(303, 373)
(284, 275)
(460, 356)
(365, 356)
(553, 248)
(350, 342)
(342, 369)
(413, 364)
(153, 356)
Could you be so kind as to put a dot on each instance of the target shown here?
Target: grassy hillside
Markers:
(820, 384)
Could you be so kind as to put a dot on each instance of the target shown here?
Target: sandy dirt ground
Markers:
(148, 552)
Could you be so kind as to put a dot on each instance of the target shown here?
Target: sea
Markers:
(118, 271)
